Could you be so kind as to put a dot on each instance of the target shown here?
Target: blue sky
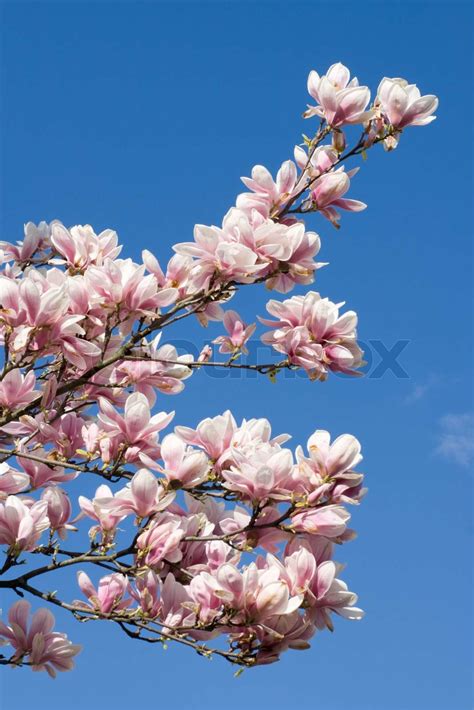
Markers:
(142, 117)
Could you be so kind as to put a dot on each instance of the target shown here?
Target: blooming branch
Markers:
(196, 533)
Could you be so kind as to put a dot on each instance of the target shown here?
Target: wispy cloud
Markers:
(456, 438)
(420, 389)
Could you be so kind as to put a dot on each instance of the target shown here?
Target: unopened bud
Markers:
(338, 140)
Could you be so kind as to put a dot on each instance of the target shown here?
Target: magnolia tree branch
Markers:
(208, 530)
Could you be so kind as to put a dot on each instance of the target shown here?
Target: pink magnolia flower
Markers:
(64, 432)
(260, 473)
(99, 509)
(211, 311)
(253, 432)
(11, 308)
(212, 435)
(320, 547)
(207, 603)
(217, 553)
(80, 246)
(315, 337)
(402, 104)
(340, 101)
(217, 253)
(178, 277)
(336, 458)
(194, 552)
(98, 442)
(327, 472)
(161, 540)
(109, 595)
(12, 481)
(147, 593)
(262, 533)
(267, 193)
(329, 521)
(175, 599)
(290, 631)
(161, 369)
(184, 467)
(122, 283)
(320, 161)
(205, 354)
(298, 569)
(257, 594)
(328, 194)
(39, 306)
(17, 389)
(136, 428)
(37, 237)
(328, 594)
(21, 525)
(143, 496)
(41, 474)
(59, 510)
(46, 650)
(286, 251)
(239, 334)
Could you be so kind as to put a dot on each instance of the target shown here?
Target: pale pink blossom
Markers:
(257, 593)
(136, 428)
(59, 510)
(17, 389)
(266, 193)
(298, 569)
(310, 331)
(328, 192)
(178, 277)
(183, 467)
(328, 594)
(289, 631)
(262, 533)
(42, 474)
(175, 600)
(110, 595)
(80, 246)
(318, 162)
(144, 495)
(327, 471)
(205, 354)
(12, 481)
(65, 432)
(147, 593)
(402, 104)
(37, 238)
(21, 525)
(286, 251)
(161, 369)
(123, 284)
(99, 509)
(260, 473)
(45, 649)
(218, 255)
(340, 101)
(239, 334)
(329, 521)
(207, 603)
(161, 540)
(213, 435)
(253, 432)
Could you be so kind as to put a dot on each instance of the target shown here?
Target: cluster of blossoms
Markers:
(221, 530)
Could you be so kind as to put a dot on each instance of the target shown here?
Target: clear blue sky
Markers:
(142, 117)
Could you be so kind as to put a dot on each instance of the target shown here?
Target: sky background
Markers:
(142, 117)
